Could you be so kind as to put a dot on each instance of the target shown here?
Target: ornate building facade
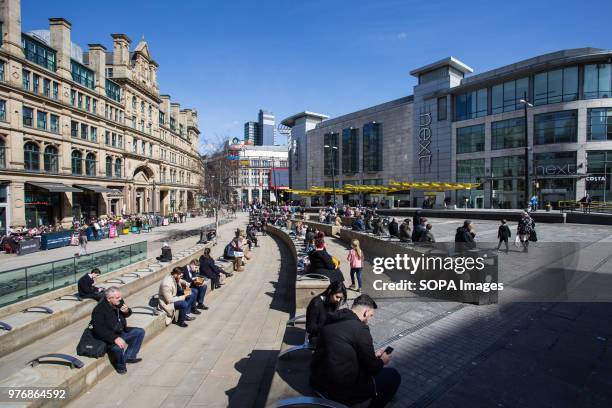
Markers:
(87, 133)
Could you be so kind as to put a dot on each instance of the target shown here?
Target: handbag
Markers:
(533, 236)
(89, 345)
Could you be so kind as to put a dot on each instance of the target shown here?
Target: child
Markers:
(503, 234)
(355, 257)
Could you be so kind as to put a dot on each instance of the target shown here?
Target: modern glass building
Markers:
(472, 128)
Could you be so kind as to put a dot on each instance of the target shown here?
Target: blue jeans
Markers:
(356, 271)
(184, 307)
(198, 294)
(133, 336)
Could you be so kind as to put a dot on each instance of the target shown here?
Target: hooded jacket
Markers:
(344, 363)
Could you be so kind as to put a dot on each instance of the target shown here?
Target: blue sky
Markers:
(228, 59)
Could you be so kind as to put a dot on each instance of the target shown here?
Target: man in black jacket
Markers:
(464, 237)
(109, 324)
(393, 228)
(189, 273)
(87, 290)
(345, 367)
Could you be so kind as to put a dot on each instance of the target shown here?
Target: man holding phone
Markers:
(345, 368)
(110, 325)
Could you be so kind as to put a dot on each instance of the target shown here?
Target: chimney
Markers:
(175, 108)
(60, 40)
(10, 13)
(121, 50)
(97, 62)
(164, 106)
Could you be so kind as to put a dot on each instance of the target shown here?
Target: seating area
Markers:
(48, 330)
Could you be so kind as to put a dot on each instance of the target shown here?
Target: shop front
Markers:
(4, 209)
(555, 177)
(599, 178)
(44, 202)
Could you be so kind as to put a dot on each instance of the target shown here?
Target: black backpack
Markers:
(89, 345)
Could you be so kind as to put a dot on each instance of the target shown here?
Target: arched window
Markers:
(51, 161)
(2, 154)
(109, 166)
(31, 156)
(118, 168)
(90, 164)
(77, 162)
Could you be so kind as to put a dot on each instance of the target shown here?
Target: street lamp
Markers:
(333, 170)
(526, 104)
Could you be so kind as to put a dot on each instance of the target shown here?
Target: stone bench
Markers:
(329, 230)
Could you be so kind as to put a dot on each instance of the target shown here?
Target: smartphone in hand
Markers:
(388, 350)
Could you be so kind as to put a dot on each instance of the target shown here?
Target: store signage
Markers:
(424, 153)
(596, 178)
(556, 170)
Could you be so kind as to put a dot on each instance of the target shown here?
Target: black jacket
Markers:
(344, 362)
(503, 232)
(186, 276)
(394, 229)
(316, 316)
(208, 268)
(320, 260)
(108, 321)
(86, 285)
(464, 239)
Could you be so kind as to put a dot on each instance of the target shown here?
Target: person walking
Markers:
(83, 241)
(534, 203)
(503, 233)
(355, 259)
(525, 227)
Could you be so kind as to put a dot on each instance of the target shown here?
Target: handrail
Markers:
(74, 362)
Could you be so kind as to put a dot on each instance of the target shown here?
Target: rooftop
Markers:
(290, 121)
(450, 61)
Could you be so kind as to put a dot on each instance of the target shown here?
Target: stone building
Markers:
(87, 133)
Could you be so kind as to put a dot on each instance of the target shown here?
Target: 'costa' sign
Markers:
(424, 153)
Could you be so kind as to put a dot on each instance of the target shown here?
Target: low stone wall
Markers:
(377, 247)
(328, 229)
(305, 289)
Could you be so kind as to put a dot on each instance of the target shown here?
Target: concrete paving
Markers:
(224, 358)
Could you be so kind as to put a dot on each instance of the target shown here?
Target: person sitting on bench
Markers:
(345, 368)
(170, 300)
(87, 289)
(166, 253)
(321, 306)
(212, 271)
(321, 262)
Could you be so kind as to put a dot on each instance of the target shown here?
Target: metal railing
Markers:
(594, 207)
(23, 283)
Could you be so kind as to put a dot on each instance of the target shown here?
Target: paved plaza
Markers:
(450, 354)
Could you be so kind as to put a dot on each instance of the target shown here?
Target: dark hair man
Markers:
(345, 367)
(87, 289)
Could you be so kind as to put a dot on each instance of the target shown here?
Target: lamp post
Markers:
(526, 104)
(333, 169)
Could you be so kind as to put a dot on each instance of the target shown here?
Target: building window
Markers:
(162, 117)
(142, 107)
(442, 108)
(35, 83)
(28, 116)
(87, 103)
(597, 81)
(84, 131)
(470, 171)
(507, 134)
(41, 120)
(135, 145)
(471, 105)
(151, 149)
(508, 166)
(2, 154)
(599, 124)
(90, 164)
(25, 80)
(82, 74)
(133, 103)
(118, 168)
(350, 146)
(74, 128)
(2, 70)
(73, 95)
(38, 53)
(505, 97)
(107, 138)
(330, 155)
(51, 159)
(31, 157)
(555, 127)
(109, 166)
(470, 139)
(554, 164)
(599, 168)
(93, 134)
(113, 90)
(120, 141)
(372, 147)
(109, 72)
(77, 163)
(47, 87)
(559, 85)
(55, 90)
(2, 110)
(94, 105)
(54, 122)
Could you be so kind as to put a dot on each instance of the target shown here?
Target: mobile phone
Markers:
(389, 350)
